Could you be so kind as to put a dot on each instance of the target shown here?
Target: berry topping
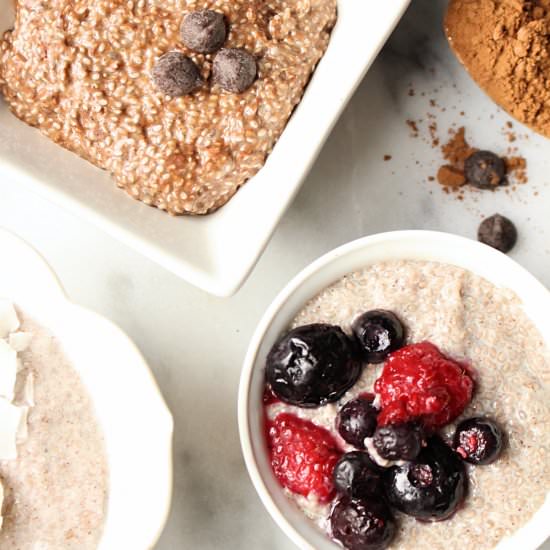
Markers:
(430, 487)
(399, 441)
(478, 440)
(484, 170)
(303, 456)
(356, 476)
(362, 524)
(312, 365)
(379, 332)
(419, 383)
(356, 420)
(498, 232)
(203, 31)
(175, 75)
(234, 70)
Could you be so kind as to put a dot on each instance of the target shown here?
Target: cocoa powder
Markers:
(455, 152)
(505, 46)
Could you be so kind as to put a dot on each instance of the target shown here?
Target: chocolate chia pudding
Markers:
(484, 327)
(81, 72)
(56, 488)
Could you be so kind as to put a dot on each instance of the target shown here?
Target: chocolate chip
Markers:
(498, 232)
(204, 31)
(234, 69)
(484, 170)
(175, 74)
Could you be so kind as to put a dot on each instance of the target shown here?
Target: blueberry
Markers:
(431, 486)
(398, 442)
(362, 524)
(312, 365)
(499, 232)
(484, 170)
(478, 440)
(203, 31)
(234, 69)
(356, 476)
(356, 420)
(175, 75)
(378, 332)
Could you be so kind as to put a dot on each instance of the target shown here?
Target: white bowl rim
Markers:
(541, 530)
(48, 282)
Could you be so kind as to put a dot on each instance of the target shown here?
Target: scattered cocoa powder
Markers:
(517, 166)
(413, 127)
(505, 46)
(451, 174)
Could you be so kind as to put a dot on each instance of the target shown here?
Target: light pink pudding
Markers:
(478, 324)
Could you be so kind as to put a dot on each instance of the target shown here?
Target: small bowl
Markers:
(135, 422)
(482, 260)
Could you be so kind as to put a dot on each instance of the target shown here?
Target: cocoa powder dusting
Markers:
(455, 152)
(505, 46)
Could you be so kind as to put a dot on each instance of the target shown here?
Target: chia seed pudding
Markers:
(81, 72)
(481, 326)
(56, 488)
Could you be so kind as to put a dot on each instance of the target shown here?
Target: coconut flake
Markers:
(27, 393)
(10, 420)
(20, 341)
(8, 370)
(23, 430)
(9, 321)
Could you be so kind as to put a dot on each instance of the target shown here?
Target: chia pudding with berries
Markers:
(451, 398)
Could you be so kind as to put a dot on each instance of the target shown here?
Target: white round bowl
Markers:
(482, 260)
(133, 417)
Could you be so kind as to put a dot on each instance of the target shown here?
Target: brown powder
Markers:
(505, 45)
(517, 165)
(413, 127)
(455, 152)
(449, 176)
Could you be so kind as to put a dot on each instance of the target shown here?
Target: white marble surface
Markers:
(195, 343)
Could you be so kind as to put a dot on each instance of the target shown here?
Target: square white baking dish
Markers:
(216, 252)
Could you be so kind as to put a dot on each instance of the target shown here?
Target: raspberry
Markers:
(419, 383)
(303, 456)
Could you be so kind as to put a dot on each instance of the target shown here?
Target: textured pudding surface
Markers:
(56, 489)
(471, 320)
(80, 71)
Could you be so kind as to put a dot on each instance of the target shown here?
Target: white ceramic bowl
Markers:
(415, 245)
(215, 252)
(135, 421)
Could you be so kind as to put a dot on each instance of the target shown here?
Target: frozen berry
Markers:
(430, 487)
(303, 456)
(418, 383)
(174, 74)
(203, 31)
(378, 332)
(478, 440)
(312, 365)
(234, 69)
(356, 476)
(356, 420)
(362, 524)
(399, 441)
(498, 232)
(484, 170)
